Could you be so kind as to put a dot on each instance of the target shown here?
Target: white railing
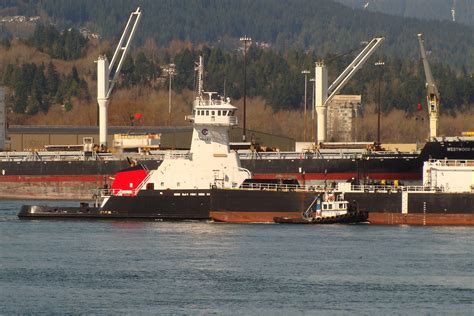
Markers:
(102, 193)
(177, 155)
(392, 188)
(451, 163)
(351, 188)
(212, 102)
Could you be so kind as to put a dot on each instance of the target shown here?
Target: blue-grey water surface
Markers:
(100, 267)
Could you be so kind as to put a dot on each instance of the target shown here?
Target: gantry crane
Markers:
(105, 85)
(432, 93)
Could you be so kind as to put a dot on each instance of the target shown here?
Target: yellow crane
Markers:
(432, 93)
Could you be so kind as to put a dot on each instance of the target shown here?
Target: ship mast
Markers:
(200, 88)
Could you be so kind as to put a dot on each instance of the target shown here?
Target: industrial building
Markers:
(27, 138)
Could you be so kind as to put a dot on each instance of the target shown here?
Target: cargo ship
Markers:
(73, 175)
(209, 183)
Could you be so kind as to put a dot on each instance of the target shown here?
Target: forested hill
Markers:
(461, 11)
(323, 26)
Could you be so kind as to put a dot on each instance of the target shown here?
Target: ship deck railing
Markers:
(339, 188)
(355, 154)
(296, 188)
(17, 156)
(451, 163)
(392, 188)
(115, 192)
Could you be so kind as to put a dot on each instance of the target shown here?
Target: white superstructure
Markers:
(210, 163)
(449, 175)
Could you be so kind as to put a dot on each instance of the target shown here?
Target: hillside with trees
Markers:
(423, 9)
(320, 26)
(51, 75)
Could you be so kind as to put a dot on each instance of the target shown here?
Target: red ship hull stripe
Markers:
(299, 176)
(339, 176)
(65, 178)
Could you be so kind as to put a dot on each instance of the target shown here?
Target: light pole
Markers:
(313, 80)
(305, 73)
(379, 64)
(245, 39)
(171, 72)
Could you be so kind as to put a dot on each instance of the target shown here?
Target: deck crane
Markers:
(324, 95)
(432, 93)
(105, 84)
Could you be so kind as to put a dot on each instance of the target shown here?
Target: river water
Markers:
(100, 267)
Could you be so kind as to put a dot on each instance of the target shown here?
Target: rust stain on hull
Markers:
(420, 219)
(250, 217)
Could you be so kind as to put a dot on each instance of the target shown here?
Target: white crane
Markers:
(104, 70)
(453, 11)
(432, 93)
(324, 95)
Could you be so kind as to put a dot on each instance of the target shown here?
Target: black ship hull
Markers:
(75, 179)
(389, 208)
(244, 206)
(147, 205)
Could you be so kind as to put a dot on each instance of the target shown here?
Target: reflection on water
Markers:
(103, 267)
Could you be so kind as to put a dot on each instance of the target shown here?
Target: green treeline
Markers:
(274, 76)
(426, 9)
(35, 88)
(322, 26)
(67, 45)
(278, 79)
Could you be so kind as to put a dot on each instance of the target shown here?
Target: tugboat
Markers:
(327, 208)
(180, 187)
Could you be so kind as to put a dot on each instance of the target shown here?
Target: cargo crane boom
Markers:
(432, 93)
(105, 85)
(324, 95)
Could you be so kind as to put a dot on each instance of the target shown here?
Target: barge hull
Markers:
(245, 206)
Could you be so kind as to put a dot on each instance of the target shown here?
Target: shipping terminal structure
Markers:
(73, 175)
(209, 183)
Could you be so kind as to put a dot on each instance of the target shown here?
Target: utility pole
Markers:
(171, 72)
(305, 73)
(313, 80)
(245, 39)
(379, 64)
